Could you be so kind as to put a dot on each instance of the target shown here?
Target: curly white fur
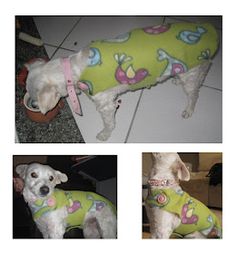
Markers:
(96, 224)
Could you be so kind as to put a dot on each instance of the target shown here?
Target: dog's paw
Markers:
(103, 135)
(186, 114)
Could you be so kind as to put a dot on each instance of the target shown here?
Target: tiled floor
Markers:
(144, 116)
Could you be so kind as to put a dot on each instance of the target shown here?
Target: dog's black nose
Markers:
(44, 190)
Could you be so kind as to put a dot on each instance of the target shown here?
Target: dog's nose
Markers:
(44, 190)
(31, 103)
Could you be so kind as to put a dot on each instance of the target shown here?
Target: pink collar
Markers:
(70, 86)
(161, 182)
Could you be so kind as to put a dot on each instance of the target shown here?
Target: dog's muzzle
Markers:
(44, 190)
(32, 104)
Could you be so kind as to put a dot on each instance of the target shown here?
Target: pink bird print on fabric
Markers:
(155, 30)
(128, 76)
(187, 215)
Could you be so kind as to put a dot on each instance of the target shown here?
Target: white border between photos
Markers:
(129, 155)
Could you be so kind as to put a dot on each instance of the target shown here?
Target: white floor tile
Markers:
(53, 30)
(159, 116)
(214, 76)
(61, 53)
(50, 50)
(91, 122)
(95, 28)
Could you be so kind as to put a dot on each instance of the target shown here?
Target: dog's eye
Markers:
(51, 178)
(34, 175)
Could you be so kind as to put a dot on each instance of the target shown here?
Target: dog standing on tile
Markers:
(137, 59)
(170, 209)
(55, 211)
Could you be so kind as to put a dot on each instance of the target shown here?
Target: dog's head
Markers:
(168, 166)
(42, 84)
(46, 82)
(39, 180)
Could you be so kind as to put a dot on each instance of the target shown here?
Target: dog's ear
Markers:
(155, 156)
(60, 177)
(182, 171)
(21, 170)
(35, 64)
(81, 58)
(48, 98)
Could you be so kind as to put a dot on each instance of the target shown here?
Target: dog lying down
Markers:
(55, 211)
(170, 210)
(137, 59)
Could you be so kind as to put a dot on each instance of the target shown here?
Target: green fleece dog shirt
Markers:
(77, 203)
(139, 57)
(194, 215)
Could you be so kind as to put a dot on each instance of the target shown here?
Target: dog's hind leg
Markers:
(91, 228)
(107, 222)
(162, 223)
(191, 82)
(100, 224)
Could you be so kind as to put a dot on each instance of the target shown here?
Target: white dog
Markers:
(55, 211)
(134, 60)
(170, 209)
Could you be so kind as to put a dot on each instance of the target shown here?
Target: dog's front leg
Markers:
(162, 223)
(52, 224)
(50, 230)
(108, 116)
(106, 106)
(160, 231)
(56, 231)
(56, 235)
(57, 228)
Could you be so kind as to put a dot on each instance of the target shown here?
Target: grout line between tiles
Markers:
(138, 103)
(76, 23)
(214, 88)
(54, 46)
(132, 120)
